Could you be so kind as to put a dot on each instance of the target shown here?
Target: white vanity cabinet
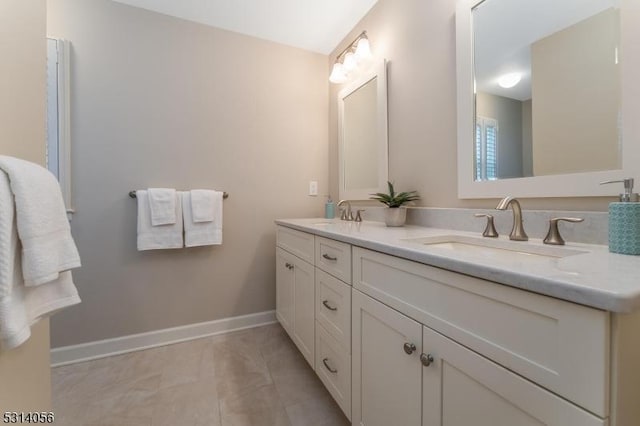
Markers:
(398, 342)
(295, 289)
(558, 345)
(406, 373)
(313, 304)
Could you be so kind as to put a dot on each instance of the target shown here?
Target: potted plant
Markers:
(396, 214)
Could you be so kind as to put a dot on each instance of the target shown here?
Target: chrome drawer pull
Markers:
(326, 256)
(328, 306)
(326, 364)
(426, 359)
(409, 348)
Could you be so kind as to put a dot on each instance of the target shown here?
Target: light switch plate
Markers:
(313, 188)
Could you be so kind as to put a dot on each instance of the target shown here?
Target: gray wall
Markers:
(527, 139)
(158, 101)
(25, 375)
(418, 39)
(576, 97)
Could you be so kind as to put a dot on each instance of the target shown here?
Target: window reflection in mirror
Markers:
(547, 87)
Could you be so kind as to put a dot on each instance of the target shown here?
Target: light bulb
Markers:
(338, 74)
(349, 62)
(363, 49)
(507, 81)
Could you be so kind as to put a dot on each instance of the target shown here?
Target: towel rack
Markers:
(132, 194)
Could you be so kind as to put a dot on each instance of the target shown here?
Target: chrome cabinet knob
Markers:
(409, 348)
(426, 359)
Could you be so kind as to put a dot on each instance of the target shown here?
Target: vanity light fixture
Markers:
(348, 60)
(507, 81)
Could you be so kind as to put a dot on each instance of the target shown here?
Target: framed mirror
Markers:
(362, 135)
(543, 93)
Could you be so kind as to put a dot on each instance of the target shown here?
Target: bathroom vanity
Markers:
(416, 325)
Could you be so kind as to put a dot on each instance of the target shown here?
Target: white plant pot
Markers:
(396, 216)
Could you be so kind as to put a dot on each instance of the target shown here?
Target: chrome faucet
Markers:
(346, 213)
(517, 232)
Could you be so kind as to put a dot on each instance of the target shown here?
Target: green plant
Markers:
(393, 199)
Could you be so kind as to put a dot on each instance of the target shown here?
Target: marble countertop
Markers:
(594, 278)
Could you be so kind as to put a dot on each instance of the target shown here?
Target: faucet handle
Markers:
(358, 215)
(553, 235)
(343, 214)
(490, 229)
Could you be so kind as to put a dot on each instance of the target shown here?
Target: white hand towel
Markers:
(20, 306)
(158, 237)
(201, 233)
(43, 228)
(202, 204)
(162, 202)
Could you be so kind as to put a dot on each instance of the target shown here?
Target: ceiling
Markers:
(312, 25)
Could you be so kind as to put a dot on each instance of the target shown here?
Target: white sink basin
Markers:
(494, 248)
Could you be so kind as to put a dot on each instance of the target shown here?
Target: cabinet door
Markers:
(386, 369)
(284, 289)
(304, 309)
(462, 388)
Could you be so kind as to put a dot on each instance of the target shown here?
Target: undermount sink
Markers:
(494, 248)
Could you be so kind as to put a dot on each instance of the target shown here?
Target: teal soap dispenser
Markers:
(624, 221)
(329, 208)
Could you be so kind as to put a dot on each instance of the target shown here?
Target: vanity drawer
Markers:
(562, 346)
(333, 366)
(333, 307)
(334, 257)
(296, 242)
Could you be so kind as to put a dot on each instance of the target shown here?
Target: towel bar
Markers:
(132, 194)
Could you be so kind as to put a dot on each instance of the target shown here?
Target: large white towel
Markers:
(20, 306)
(27, 305)
(47, 246)
(162, 203)
(158, 237)
(202, 233)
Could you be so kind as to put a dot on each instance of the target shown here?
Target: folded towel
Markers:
(162, 202)
(202, 233)
(202, 204)
(158, 237)
(20, 306)
(43, 228)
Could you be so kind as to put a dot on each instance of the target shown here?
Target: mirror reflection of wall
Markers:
(362, 134)
(560, 113)
(360, 137)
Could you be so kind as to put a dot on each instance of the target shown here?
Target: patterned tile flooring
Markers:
(250, 377)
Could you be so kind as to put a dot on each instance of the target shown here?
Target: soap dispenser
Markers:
(329, 208)
(624, 221)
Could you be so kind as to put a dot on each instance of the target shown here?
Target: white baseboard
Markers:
(135, 342)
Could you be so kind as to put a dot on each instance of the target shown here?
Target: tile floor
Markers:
(250, 377)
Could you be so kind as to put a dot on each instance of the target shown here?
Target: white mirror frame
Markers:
(378, 70)
(568, 185)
